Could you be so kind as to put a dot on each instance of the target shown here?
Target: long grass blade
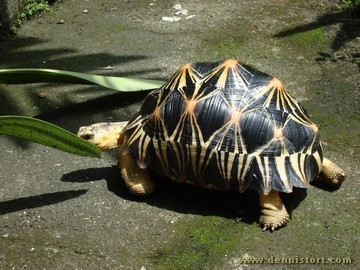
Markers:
(37, 75)
(48, 134)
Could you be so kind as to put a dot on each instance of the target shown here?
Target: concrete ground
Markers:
(59, 211)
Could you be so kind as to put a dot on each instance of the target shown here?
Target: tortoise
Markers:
(222, 125)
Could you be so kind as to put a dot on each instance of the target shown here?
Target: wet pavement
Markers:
(59, 211)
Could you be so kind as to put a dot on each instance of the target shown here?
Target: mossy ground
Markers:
(308, 40)
(200, 244)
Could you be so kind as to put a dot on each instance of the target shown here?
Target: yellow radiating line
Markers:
(222, 78)
(263, 174)
(202, 96)
(183, 162)
(138, 131)
(238, 173)
(142, 148)
(178, 129)
(231, 162)
(160, 150)
(277, 101)
(243, 146)
(182, 93)
(135, 122)
(200, 162)
(189, 113)
(221, 83)
(242, 78)
(212, 72)
(193, 161)
(225, 170)
(221, 166)
(284, 150)
(178, 81)
(245, 168)
(221, 140)
(283, 101)
(210, 155)
(166, 135)
(226, 101)
(265, 89)
(318, 159)
(300, 119)
(267, 177)
(179, 155)
(236, 130)
(249, 104)
(193, 133)
(302, 167)
(311, 146)
(293, 104)
(280, 163)
(269, 98)
(182, 78)
(238, 107)
(230, 165)
(287, 101)
(195, 125)
(260, 149)
(196, 90)
(298, 165)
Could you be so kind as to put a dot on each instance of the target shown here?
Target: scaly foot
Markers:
(331, 173)
(273, 211)
(137, 180)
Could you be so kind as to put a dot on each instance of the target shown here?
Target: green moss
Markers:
(307, 40)
(202, 243)
(31, 8)
(119, 28)
(349, 6)
(230, 42)
(222, 47)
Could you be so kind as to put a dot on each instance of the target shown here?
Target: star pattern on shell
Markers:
(230, 116)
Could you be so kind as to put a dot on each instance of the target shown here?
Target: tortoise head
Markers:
(103, 135)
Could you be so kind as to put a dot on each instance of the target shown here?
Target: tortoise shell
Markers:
(225, 125)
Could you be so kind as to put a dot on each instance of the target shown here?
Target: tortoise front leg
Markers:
(273, 211)
(137, 180)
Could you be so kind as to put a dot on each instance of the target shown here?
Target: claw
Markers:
(273, 212)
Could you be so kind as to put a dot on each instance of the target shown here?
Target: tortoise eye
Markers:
(87, 137)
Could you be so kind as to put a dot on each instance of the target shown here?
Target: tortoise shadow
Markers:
(320, 184)
(187, 199)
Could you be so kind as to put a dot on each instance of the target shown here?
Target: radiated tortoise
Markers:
(222, 125)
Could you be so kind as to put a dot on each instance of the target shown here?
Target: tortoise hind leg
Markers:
(137, 180)
(273, 211)
(331, 173)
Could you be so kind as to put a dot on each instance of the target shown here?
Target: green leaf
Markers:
(47, 134)
(36, 75)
